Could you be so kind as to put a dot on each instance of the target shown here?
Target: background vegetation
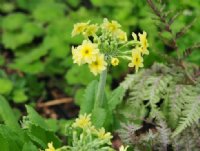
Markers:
(35, 48)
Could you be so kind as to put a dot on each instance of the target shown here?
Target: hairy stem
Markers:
(100, 90)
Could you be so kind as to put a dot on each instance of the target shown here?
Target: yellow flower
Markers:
(121, 35)
(122, 148)
(76, 55)
(112, 26)
(137, 60)
(88, 51)
(79, 28)
(114, 61)
(98, 65)
(83, 121)
(144, 43)
(101, 134)
(91, 30)
(50, 147)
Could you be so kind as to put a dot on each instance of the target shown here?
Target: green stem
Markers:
(100, 90)
(130, 43)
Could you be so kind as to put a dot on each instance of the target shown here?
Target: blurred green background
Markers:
(35, 43)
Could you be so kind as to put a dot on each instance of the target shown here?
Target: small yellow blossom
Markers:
(101, 134)
(114, 61)
(137, 60)
(50, 147)
(88, 51)
(144, 43)
(83, 121)
(79, 28)
(121, 35)
(98, 65)
(76, 55)
(91, 30)
(112, 26)
(122, 148)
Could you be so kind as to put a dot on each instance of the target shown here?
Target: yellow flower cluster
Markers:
(103, 135)
(85, 28)
(139, 51)
(84, 122)
(104, 45)
(89, 53)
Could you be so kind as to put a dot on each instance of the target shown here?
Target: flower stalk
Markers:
(100, 90)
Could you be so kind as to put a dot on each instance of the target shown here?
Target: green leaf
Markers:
(7, 7)
(29, 147)
(74, 3)
(79, 96)
(52, 124)
(32, 68)
(4, 143)
(48, 11)
(8, 115)
(15, 140)
(35, 118)
(76, 74)
(19, 96)
(87, 103)
(14, 21)
(5, 86)
(98, 117)
(42, 136)
(29, 4)
(33, 29)
(116, 97)
(13, 40)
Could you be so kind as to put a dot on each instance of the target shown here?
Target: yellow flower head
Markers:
(83, 121)
(91, 30)
(101, 134)
(88, 51)
(76, 55)
(144, 43)
(122, 148)
(112, 26)
(98, 65)
(79, 28)
(50, 147)
(122, 36)
(114, 61)
(137, 60)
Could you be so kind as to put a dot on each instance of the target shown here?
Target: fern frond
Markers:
(164, 133)
(162, 93)
(127, 133)
(188, 140)
(176, 102)
(191, 114)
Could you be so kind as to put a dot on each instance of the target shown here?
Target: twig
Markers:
(189, 50)
(167, 25)
(55, 102)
